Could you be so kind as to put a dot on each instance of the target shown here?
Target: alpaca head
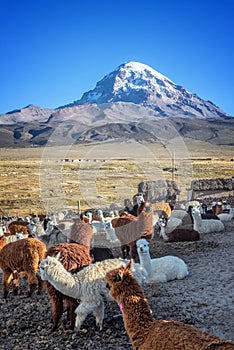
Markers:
(140, 199)
(47, 264)
(196, 211)
(120, 282)
(19, 235)
(142, 246)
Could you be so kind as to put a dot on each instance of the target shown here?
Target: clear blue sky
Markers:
(52, 51)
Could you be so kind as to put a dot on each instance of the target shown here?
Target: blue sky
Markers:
(52, 51)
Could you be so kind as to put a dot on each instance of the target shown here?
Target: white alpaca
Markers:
(88, 285)
(205, 225)
(2, 230)
(172, 223)
(162, 269)
(179, 213)
(226, 216)
(110, 233)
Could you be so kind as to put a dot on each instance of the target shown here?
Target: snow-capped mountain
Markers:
(132, 102)
(140, 84)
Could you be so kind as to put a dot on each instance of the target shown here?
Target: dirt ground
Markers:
(204, 299)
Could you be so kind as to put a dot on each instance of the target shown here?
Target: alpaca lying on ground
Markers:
(147, 333)
(88, 285)
(204, 225)
(179, 234)
(204, 215)
(129, 228)
(179, 213)
(171, 223)
(21, 256)
(226, 216)
(162, 269)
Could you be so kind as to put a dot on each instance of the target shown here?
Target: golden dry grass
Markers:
(36, 179)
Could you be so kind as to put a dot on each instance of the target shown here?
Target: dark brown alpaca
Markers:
(145, 332)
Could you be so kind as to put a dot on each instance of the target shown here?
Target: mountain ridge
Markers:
(123, 104)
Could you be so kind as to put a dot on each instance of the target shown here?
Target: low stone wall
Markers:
(217, 189)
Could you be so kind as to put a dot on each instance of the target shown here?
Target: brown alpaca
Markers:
(21, 256)
(145, 332)
(129, 228)
(81, 232)
(17, 227)
(73, 256)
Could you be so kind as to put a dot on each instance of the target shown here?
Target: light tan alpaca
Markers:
(145, 332)
(24, 256)
(163, 206)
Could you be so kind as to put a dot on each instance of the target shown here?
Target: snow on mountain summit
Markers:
(138, 83)
(130, 82)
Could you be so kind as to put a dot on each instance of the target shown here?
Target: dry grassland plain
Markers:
(39, 180)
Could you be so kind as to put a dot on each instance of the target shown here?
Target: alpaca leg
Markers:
(32, 283)
(133, 253)
(124, 251)
(15, 283)
(7, 278)
(71, 305)
(82, 311)
(56, 299)
(99, 314)
(40, 284)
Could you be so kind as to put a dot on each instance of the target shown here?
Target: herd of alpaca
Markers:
(75, 273)
(144, 331)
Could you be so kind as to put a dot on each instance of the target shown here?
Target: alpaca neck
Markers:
(64, 281)
(197, 222)
(163, 233)
(136, 312)
(146, 262)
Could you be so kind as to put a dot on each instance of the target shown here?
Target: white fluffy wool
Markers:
(88, 285)
(206, 225)
(162, 269)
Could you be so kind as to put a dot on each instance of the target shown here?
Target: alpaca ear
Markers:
(129, 264)
(58, 256)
